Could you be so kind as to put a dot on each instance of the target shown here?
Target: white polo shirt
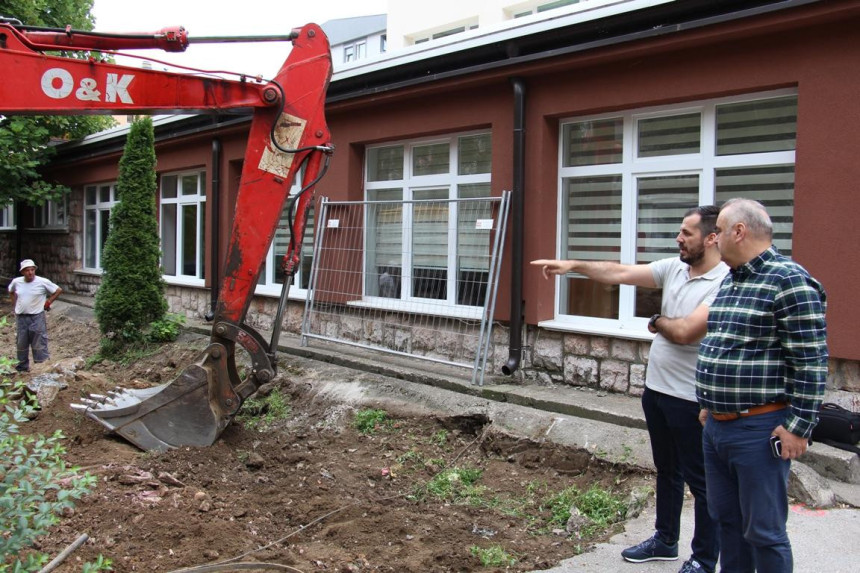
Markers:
(672, 367)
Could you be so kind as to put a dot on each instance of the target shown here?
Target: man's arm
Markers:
(802, 331)
(686, 329)
(601, 271)
(53, 297)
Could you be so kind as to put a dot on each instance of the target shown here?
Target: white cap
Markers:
(27, 263)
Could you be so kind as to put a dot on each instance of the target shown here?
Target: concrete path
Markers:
(822, 540)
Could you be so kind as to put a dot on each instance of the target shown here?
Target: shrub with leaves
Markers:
(166, 329)
(36, 485)
(131, 295)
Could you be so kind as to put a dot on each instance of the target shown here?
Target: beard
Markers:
(692, 256)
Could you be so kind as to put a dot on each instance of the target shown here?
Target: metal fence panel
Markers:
(414, 278)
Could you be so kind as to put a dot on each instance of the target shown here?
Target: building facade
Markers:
(606, 125)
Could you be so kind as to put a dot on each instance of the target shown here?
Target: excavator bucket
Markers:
(189, 411)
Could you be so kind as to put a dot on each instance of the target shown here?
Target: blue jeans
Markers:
(32, 332)
(676, 445)
(748, 494)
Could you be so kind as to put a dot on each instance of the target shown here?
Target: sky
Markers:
(203, 18)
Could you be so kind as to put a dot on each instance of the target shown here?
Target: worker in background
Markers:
(761, 378)
(31, 296)
(690, 283)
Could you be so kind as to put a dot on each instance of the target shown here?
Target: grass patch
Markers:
(493, 556)
(369, 422)
(263, 412)
(457, 485)
(601, 506)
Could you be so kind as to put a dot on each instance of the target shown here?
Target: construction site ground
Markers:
(312, 493)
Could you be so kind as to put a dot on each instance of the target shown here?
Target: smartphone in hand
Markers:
(776, 446)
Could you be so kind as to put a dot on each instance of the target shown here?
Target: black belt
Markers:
(22, 314)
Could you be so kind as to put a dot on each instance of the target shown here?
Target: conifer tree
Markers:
(131, 295)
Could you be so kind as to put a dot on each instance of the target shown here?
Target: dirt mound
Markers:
(310, 492)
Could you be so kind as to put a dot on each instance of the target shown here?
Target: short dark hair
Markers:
(707, 218)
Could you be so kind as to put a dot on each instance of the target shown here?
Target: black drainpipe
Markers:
(214, 251)
(515, 344)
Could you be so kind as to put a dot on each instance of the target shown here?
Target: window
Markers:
(627, 179)
(383, 43)
(7, 217)
(183, 218)
(537, 7)
(355, 51)
(420, 242)
(98, 202)
(52, 214)
(272, 275)
(444, 33)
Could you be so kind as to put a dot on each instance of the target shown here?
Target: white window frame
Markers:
(97, 208)
(410, 184)
(183, 201)
(267, 284)
(7, 217)
(355, 51)
(704, 164)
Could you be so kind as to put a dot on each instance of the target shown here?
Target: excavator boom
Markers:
(288, 130)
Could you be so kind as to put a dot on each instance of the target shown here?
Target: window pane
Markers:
(90, 238)
(201, 241)
(104, 231)
(168, 186)
(772, 186)
(168, 238)
(593, 207)
(473, 245)
(189, 240)
(430, 244)
(189, 184)
(90, 195)
(661, 204)
(672, 135)
(431, 159)
(593, 142)
(105, 194)
(384, 243)
(475, 154)
(385, 163)
(757, 126)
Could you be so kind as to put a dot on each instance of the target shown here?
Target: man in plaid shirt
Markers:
(760, 377)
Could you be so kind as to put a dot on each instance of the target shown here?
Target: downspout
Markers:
(515, 344)
(214, 252)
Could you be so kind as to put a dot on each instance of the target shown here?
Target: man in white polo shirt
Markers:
(32, 296)
(690, 283)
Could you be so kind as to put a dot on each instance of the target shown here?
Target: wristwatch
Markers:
(652, 324)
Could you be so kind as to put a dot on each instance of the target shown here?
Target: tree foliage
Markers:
(36, 486)
(26, 141)
(131, 295)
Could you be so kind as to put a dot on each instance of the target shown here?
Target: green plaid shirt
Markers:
(766, 342)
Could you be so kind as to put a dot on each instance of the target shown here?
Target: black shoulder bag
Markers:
(837, 427)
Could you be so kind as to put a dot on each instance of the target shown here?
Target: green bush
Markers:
(36, 484)
(166, 329)
(131, 294)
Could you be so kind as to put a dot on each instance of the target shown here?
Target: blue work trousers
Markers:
(676, 444)
(32, 330)
(748, 494)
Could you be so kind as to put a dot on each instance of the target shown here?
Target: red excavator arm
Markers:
(288, 130)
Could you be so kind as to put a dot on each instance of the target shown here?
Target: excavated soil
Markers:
(311, 493)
